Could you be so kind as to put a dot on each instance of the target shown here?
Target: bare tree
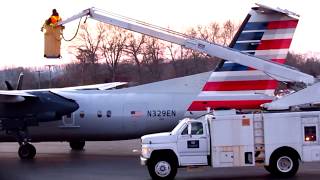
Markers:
(191, 54)
(153, 55)
(134, 49)
(89, 44)
(229, 29)
(113, 47)
(176, 53)
(87, 48)
(214, 33)
(213, 30)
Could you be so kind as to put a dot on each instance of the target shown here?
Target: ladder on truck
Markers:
(258, 138)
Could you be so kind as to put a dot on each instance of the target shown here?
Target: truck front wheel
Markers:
(284, 165)
(162, 168)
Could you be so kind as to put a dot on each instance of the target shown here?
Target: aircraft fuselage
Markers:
(120, 113)
(111, 116)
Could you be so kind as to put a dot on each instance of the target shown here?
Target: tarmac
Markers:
(112, 160)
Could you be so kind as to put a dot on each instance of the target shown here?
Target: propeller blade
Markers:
(9, 86)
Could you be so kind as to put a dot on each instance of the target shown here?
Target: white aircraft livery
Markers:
(84, 114)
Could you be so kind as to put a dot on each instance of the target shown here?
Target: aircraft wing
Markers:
(104, 86)
(13, 96)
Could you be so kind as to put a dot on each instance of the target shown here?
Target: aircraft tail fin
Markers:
(267, 33)
(20, 81)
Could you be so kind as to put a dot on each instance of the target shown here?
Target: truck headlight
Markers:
(145, 151)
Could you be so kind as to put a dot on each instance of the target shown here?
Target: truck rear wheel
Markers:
(284, 164)
(162, 168)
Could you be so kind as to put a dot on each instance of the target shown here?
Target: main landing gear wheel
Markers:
(77, 145)
(27, 151)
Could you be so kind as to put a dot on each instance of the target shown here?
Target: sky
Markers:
(22, 41)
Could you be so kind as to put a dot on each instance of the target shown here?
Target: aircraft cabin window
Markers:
(99, 114)
(108, 113)
(196, 128)
(310, 133)
(82, 114)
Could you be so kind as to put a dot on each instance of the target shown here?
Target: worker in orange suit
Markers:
(54, 18)
(52, 35)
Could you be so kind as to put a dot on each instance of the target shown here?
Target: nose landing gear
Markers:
(77, 145)
(27, 151)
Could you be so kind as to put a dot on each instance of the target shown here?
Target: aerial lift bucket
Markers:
(52, 41)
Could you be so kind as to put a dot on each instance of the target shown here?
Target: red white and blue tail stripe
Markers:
(266, 33)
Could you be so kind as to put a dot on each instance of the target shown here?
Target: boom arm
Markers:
(278, 71)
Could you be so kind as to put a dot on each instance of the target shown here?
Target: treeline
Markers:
(71, 74)
(105, 54)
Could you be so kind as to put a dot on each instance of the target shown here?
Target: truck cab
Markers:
(188, 144)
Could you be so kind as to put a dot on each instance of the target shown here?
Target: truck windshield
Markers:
(176, 129)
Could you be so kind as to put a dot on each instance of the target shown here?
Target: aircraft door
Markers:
(68, 121)
(135, 114)
(193, 144)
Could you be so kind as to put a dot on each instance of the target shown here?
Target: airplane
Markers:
(79, 115)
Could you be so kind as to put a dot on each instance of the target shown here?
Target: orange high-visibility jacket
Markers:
(54, 20)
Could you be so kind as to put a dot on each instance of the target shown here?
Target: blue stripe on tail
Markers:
(251, 26)
(247, 41)
(246, 36)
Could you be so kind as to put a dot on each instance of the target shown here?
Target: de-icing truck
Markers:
(227, 138)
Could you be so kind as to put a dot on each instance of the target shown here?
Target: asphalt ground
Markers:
(112, 160)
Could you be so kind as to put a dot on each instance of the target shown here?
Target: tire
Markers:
(77, 145)
(162, 168)
(284, 164)
(27, 151)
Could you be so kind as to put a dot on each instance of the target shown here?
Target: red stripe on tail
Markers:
(283, 24)
(240, 85)
(281, 61)
(233, 104)
(274, 44)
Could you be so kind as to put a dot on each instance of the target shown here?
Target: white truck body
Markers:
(277, 140)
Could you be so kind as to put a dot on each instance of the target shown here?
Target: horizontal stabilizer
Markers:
(104, 86)
(277, 10)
